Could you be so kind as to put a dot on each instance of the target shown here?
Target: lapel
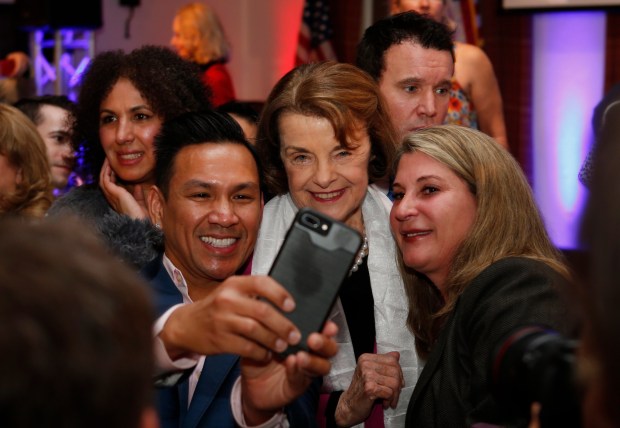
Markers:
(215, 371)
(165, 293)
(433, 361)
(428, 371)
(216, 368)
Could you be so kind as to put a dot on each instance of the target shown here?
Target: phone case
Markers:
(312, 263)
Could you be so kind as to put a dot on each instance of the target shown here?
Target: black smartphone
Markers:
(312, 263)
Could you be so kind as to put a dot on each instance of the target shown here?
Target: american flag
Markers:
(314, 42)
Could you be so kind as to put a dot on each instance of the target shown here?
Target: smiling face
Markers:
(416, 85)
(322, 173)
(127, 128)
(433, 212)
(55, 129)
(211, 216)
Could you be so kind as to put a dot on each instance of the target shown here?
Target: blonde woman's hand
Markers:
(376, 377)
(131, 204)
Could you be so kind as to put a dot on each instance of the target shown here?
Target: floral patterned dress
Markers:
(461, 110)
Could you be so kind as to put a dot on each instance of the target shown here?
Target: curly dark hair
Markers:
(170, 84)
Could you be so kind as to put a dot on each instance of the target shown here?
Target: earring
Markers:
(158, 226)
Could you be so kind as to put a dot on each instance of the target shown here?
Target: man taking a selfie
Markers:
(208, 202)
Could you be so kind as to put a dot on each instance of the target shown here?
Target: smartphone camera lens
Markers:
(311, 221)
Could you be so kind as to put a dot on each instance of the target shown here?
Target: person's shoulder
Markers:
(217, 70)
(469, 53)
(518, 290)
(513, 276)
(278, 204)
(518, 267)
(86, 201)
(135, 241)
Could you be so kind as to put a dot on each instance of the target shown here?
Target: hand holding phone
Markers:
(312, 263)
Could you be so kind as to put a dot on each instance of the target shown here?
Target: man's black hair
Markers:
(397, 29)
(195, 128)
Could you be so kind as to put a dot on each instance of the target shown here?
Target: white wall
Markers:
(263, 35)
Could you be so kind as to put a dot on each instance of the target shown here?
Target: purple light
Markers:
(569, 66)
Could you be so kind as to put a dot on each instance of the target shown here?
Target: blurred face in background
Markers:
(127, 128)
(184, 39)
(432, 8)
(55, 129)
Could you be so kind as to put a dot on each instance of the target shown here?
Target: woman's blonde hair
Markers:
(200, 19)
(21, 143)
(507, 222)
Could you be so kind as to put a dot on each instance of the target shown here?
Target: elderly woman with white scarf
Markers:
(326, 142)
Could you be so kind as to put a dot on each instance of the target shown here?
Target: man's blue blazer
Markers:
(210, 406)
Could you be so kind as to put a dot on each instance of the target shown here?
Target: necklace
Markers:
(359, 259)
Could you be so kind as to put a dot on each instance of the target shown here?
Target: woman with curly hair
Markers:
(123, 101)
(25, 182)
(198, 36)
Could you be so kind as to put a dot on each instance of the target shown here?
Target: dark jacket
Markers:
(454, 387)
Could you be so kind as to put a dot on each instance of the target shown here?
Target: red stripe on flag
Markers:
(314, 35)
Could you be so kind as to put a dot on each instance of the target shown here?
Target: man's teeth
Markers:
(329, 195)
(219, 243)
(131, 156)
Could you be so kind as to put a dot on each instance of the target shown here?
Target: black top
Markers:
(358, 304)
(359, 309)
(454, 387)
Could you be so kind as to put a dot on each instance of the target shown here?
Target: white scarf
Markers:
(390, 300)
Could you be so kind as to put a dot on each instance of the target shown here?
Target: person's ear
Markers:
(149, 418)
(155, 205)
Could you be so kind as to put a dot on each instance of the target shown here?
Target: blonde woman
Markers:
(198, 36)
(25, 181)
(477, 264)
